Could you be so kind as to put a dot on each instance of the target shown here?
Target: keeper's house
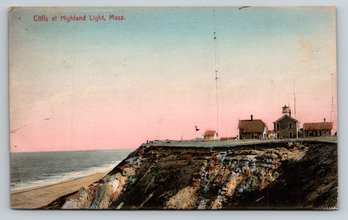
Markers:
(252, 129)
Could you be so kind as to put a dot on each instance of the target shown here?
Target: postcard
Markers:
(189, 108)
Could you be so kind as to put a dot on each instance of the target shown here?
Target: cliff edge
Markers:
(289, 174)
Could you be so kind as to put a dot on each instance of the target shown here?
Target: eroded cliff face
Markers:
(272, 175)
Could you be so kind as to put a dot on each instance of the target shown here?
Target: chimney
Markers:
(251, 117)
(324, 119)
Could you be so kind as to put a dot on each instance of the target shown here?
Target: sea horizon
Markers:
(54, 151)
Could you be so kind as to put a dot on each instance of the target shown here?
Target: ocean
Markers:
(38, 169)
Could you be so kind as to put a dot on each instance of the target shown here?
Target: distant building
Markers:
(317, 129)
(210, 135)
(300, 133)
(271, 135)
(228, 138)
(286, 126)
(252, 129)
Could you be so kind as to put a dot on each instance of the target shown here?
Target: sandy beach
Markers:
(35, 198)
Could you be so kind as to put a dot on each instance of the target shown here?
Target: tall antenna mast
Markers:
(216, 77)
(295, 104)
(294, 101)
(332, 100)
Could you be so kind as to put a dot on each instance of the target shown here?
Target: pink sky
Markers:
(114, 86)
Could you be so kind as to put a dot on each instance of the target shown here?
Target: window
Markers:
(290, 125)
(278, 126)
(290, 134)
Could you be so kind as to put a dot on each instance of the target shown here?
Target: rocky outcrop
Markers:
(265, 175)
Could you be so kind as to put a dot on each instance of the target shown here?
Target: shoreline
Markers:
(54, 184)
(63, 179)
(37, 197)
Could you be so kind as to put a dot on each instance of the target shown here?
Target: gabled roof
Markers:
(209, 133)
(286, 116)
(317, 126)
(251, 126)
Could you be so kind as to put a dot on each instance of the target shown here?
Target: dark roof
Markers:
(251, 126)
(286, 116)
(209, 133)
(317, 126)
